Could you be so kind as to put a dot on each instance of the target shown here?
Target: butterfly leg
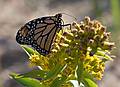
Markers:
(67, 25)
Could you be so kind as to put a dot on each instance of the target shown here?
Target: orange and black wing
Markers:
(44, 34)
(40, 33)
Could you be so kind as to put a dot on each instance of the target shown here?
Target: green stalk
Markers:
(115, 9)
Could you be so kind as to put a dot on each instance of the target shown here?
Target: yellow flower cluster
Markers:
(77, 44)
(94, 65)
(93, 34)
(39, 60)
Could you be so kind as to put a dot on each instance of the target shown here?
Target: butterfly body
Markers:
(40, 33)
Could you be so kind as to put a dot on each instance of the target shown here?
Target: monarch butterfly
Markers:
(40, 32)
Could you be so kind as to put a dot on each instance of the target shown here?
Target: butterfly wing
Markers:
(23, 36)
(40, 33)
(44, 34)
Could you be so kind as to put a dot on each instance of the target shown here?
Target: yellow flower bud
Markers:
(87, 20)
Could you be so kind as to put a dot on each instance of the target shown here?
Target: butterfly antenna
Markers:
(70, 16)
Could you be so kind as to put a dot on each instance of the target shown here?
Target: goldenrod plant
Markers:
(77, 59)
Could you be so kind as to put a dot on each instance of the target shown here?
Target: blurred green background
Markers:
(15, 13)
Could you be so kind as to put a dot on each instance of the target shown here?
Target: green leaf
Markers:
(29, 50)
(58, 82)
(104, 55)
(88, 75)
(79, 72)
(55, 71)
(27, 82)
(89, 83)
(35, 74)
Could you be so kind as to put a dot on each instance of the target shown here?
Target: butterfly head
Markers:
(59, 15)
